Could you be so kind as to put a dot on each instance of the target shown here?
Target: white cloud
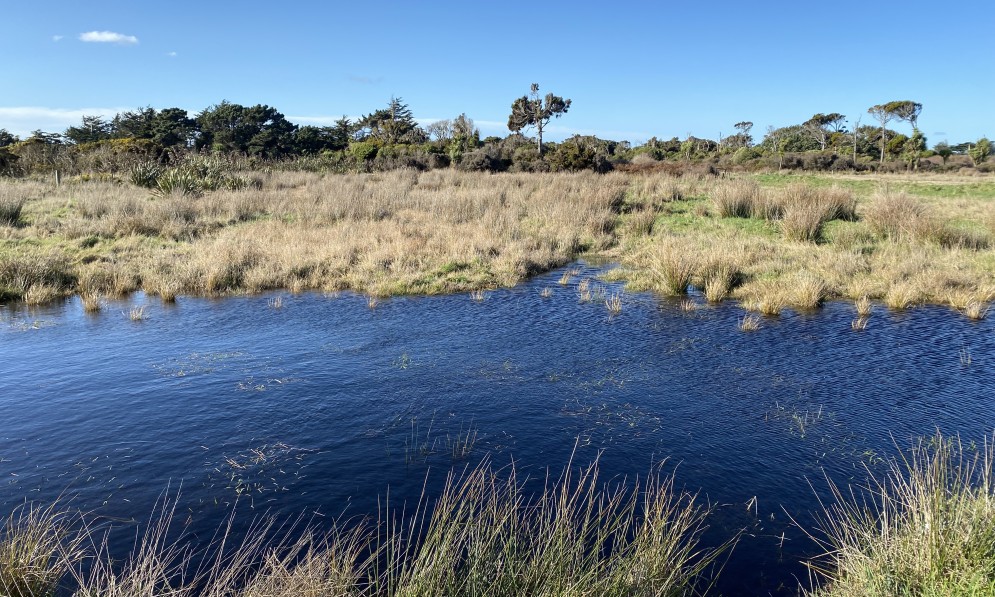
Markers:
(56, 37)
(21, 120)
(171, 54)
(108, 37)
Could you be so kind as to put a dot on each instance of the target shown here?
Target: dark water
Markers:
(319, 407)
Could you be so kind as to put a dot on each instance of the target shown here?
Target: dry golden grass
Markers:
(614, 303)
(976, 310)
(396, 233)
(863, 306)
(808, 291)
(737, 199)
(673, 266)
(902, 296)
(749, 323)
(38, 546)
(406, 232)
(91, 302)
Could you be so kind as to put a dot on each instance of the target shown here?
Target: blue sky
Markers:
(633, 70)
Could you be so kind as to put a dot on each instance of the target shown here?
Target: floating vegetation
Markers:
(251, 384)
(199, 363)
(402, 362)
(262, 469)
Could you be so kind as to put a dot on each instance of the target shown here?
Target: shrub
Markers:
(179, 181)
(146, 174)
(8, 163)
(484, 159)
(362, 151)
(527, 159)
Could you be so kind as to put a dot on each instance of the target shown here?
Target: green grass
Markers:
(865, 185)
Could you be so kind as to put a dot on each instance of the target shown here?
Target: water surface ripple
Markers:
(320, 406)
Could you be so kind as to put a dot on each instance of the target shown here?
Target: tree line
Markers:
(390, 137)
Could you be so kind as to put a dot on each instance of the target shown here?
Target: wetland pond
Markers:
(318, 406)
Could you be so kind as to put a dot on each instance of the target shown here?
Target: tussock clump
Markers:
(961, 238)
(807, 209)
(673, 265)
(803, 222)
(718, 284)
(767, 206)
(925, 527)
(808, 291)
(91, 302)
(640, 223)
(10, 208)
(839, 203)
(736, 199)
(901, 217)
(864, 307)
(749, 323)
(37, 547)
(767, 298)
(226, 270)
(975, 310)
(902, 296)
(24, 271)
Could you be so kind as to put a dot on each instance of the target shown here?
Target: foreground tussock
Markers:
(483, 536)
(926, 527)
(38, 546)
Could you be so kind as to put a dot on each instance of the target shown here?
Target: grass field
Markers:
(769, 240)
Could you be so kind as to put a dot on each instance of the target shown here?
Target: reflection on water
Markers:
(318, 405)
